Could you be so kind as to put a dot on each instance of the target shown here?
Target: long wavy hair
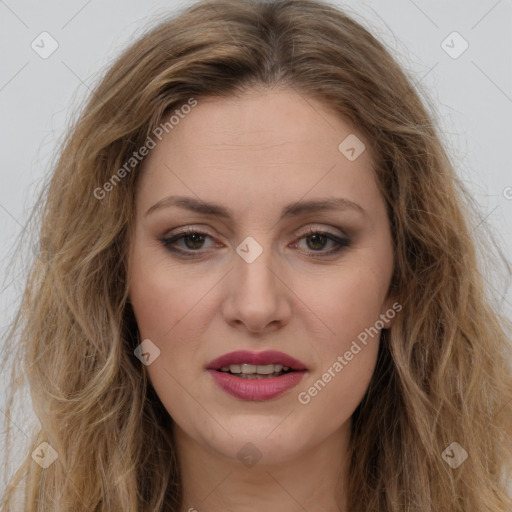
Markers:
(443, 373)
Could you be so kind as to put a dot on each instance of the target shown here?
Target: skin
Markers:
(255, 154)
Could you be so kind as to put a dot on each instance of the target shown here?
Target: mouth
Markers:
(267, 364)
(256, 375)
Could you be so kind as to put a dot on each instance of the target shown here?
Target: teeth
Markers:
(252, 369)
(249, 368)
(264, 369)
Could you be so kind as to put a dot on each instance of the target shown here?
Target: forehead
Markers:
(262, 121)
(264, 144)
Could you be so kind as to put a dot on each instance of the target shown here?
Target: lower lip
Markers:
(256, 389)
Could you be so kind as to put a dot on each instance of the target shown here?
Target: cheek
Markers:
(346, 305)
(165, 296)
(164, 310)
(170, 307)
(347, 358)
(346, 350)
(333, 396)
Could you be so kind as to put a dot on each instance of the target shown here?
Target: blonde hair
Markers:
(443, 373)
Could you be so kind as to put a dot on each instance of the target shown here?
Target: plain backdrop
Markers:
(468, 76)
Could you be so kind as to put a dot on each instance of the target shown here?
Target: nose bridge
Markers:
(254, 265)
(256, 297)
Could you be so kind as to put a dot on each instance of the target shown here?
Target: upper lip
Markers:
(256, 358)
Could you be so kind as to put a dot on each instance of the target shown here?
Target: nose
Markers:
(257, 298)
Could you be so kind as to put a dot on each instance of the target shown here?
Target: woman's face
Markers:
(273, 270)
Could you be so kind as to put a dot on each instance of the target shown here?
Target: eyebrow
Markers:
(292, 210)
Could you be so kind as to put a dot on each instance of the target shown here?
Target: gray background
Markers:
(472, 93)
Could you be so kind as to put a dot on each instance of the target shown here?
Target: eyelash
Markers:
(168, 243)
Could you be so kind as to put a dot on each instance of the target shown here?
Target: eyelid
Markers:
(189, 230)
(319, 229)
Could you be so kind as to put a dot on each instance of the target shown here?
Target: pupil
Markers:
(196, 239)
(317, 237)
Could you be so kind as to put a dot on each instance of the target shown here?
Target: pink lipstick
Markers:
(256, 376)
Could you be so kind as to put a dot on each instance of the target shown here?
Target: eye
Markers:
(317, 240)
(192, 241)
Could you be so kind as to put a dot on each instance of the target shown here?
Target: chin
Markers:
(258, 439)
